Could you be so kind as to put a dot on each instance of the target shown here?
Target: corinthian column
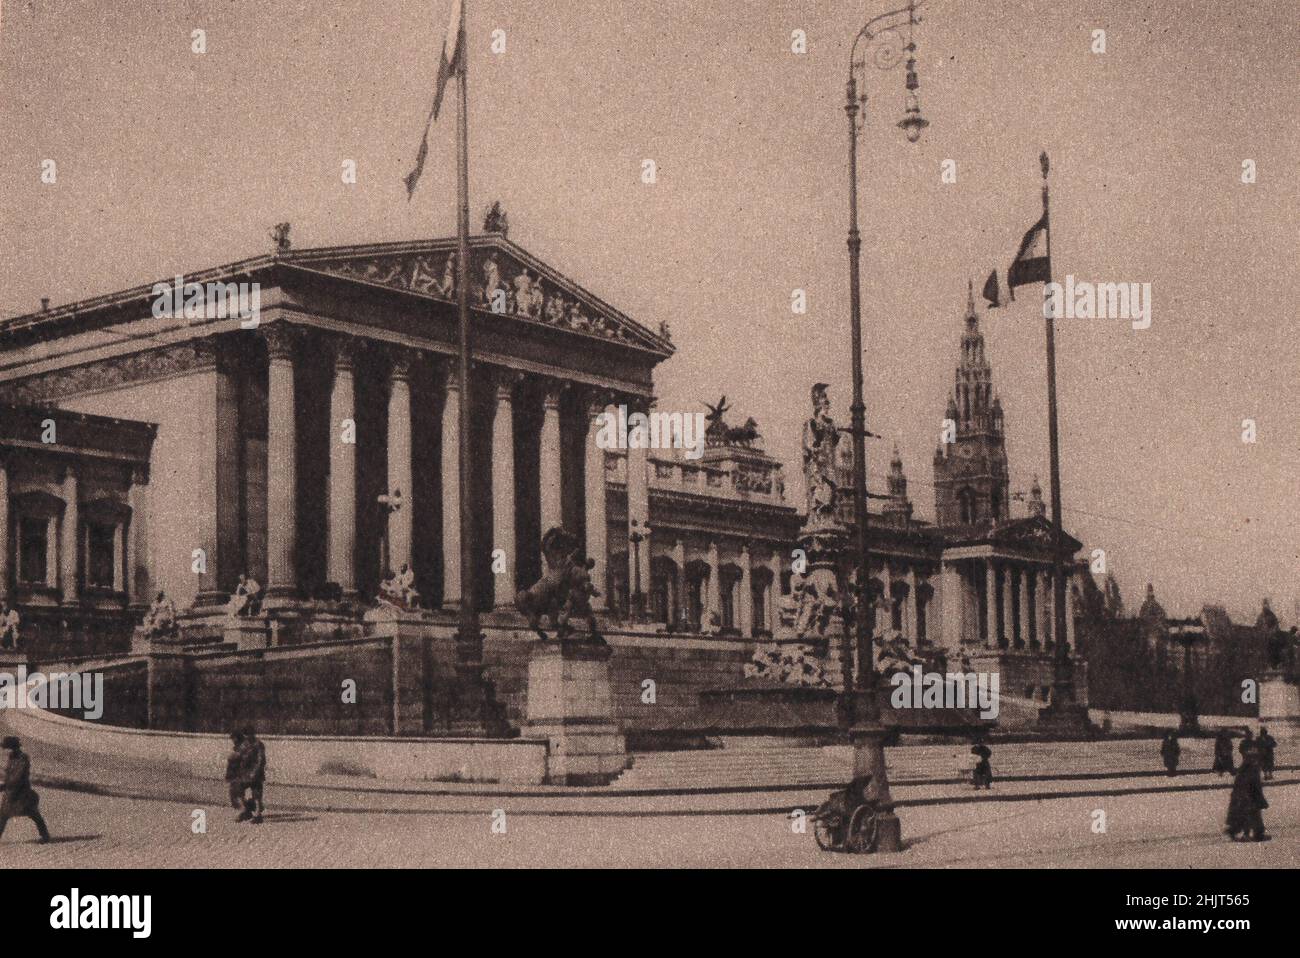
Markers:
(68, 544)
(343, 476)
(912, 619)
(281, 464)
(1045, 621)
(399, 462)
(552, 505)
(745, 612)
(991, 609)
(1008, 605)
(597, 531)
(503, 492)
(450, 465)
(4, 531)
(714, 606)
(638, 506)
(1026, 583)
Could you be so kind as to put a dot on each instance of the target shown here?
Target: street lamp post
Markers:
(860, 709)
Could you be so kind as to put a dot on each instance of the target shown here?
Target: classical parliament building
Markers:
(315, 449)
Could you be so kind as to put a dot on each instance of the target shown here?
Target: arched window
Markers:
(966, 503)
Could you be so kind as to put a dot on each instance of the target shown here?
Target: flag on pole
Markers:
(1031, 264)
(991, 290)
(453, 53)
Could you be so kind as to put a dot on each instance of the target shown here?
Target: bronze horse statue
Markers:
(564, 591)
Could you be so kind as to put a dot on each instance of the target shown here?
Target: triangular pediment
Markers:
(504, 280)
(1033, 533)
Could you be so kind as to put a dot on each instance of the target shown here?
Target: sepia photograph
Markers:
(598, 434)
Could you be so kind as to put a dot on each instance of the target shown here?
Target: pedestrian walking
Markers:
(1267, 752)
(1170, 752)
(253, 776)
(1223, 761)
(235, 771)
(1247, 803)
(982, 774)
(19, 799)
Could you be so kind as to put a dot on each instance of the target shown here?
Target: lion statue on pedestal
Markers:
(564, 591)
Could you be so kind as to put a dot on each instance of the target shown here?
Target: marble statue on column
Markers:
(821, 438)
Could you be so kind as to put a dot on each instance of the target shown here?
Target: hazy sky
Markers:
(170, 161)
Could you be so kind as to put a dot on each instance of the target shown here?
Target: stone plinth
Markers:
(1279, 705)
(412, 654)
(433, 690)
(245, 634)
(570, 703)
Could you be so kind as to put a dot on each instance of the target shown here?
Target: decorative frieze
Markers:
(499, 284)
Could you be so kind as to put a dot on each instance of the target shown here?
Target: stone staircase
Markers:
(733, 768)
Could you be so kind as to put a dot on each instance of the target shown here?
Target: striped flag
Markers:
(1032, 264)
(453, 52)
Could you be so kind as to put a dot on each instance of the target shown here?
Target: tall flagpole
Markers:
(469, 636)
(1063, 705)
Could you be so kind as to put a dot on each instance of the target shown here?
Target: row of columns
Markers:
(1015, 599)
(712, 605)
(342, 508)
(911, 613)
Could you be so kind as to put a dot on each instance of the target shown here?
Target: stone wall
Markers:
(680, 667)
(297, 690)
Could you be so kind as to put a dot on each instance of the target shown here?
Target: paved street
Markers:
(1178, 829)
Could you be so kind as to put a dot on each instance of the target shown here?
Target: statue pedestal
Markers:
(244, 634)
(1279, 705)
(570, 704)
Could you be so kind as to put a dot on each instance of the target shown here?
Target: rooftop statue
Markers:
(495, 220)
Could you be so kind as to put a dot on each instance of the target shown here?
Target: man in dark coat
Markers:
(1267, 752)
(982, 776)
(1247, 802)
(1170, 751)
(19, 799)
(235, 772)
(253, 769)
(1223, 761)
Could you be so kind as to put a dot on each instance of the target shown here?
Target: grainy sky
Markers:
(170, 161)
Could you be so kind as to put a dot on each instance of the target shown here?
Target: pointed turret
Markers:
(1037, 507)
(898, 506)
(970, 474)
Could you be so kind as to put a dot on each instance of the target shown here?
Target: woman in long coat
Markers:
(1170, 751)
(19, 799)
(1247, 801)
